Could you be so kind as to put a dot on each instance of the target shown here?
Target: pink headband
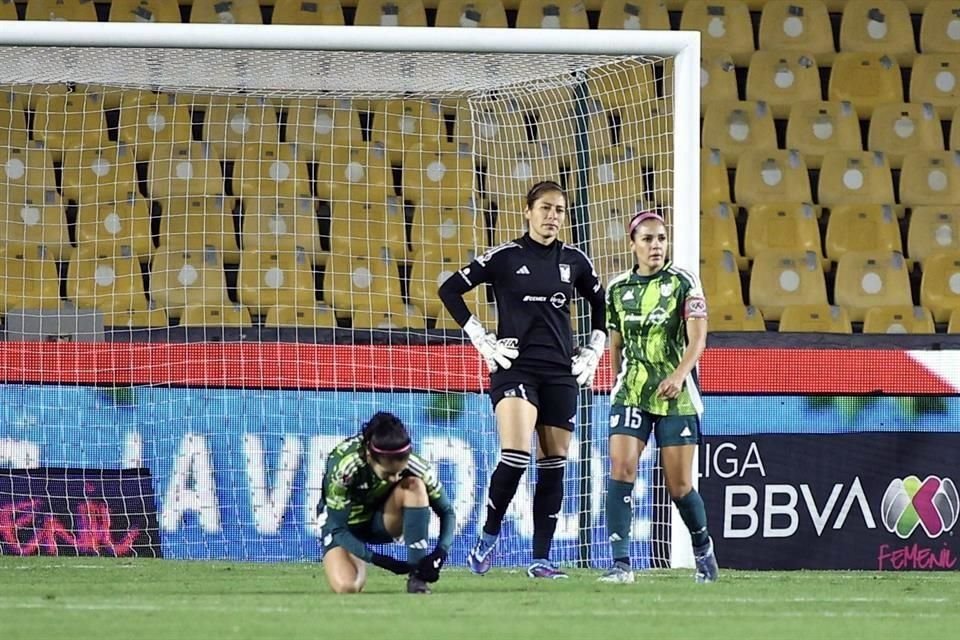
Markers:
(642, 217)
(386, 452)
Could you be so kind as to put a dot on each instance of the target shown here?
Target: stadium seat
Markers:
(106, 282)
(360, 173)
(510, 176)
(643, 132)
(399, 125)
(865, 80)
(618, 177)
(376, 13)
(940, 284)
(119, 228)
(940, 27)
(736, 317)
(907, 319)
(714, 182)
(100, 174)
(369, 230)
(484, 311)
(896, 129)
(862, 227)
(878, 26)
(470, 13)
(800, 26)
(933, 229)
(494, 128)
(851, 178)
(317, 126)
(61, 10)
(553, 131)
(8, 11)
(779, 279)
(954, 323)
(814, 318)
(718, 79)
(68, 120)
(718, 230)
(428, 271)
(362, 283)
(552, 14)
(315, 12)
(451, 231)
(231, 127)
(135, 319)
(773, 175)
(934, 79)
(271, 223)
(270, 170)
(190, 169)
(720, 277)
(226, 12)
(144, 11)
(438, 178)
(34, 217)
(735, 127)
(278, 276)
(150, 119)
(200, 222)
(26, 167)
(633, 14)
(781, 226)
(13, 123)
(318, 316)
(930, 178)
(182, 277)
(28, 275)
(868, 279)
(216, 315)
(781, 79)
(814, 128)
(382, 320)
(724, 25)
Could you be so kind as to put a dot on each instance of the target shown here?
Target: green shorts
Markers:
(372, 531)
(669, 431)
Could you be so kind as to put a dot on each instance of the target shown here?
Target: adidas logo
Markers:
(419, 544)
(686, 433)
(523, 271)
(627, 296)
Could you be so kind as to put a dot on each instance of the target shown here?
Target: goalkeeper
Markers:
(657, 318)
(534, 371)
(376, 491)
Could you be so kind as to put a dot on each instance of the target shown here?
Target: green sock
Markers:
(619, 516)
(416, 530)
(694, 516)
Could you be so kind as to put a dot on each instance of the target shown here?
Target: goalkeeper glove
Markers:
(498, 354)
(391, 564)
(428, 569)
(584, 363)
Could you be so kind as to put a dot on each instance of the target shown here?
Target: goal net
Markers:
(217, 262)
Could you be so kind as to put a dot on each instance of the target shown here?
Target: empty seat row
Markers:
(825, 318)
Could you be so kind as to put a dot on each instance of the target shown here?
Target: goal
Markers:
(221, 246)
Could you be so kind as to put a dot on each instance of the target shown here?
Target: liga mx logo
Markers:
(908, 503)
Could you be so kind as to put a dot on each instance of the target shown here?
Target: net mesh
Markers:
(258, 238)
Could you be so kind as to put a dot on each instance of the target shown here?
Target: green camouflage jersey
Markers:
(650, 312)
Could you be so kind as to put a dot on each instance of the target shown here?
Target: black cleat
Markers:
(416, 585)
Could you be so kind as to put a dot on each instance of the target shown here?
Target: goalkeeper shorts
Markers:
(555, 394)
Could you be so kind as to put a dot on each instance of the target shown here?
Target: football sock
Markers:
(619, 518)
(503, 486)
(694, 516)
(416, 530)
(547, 502)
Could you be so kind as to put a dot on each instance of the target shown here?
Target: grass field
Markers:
(108, 599)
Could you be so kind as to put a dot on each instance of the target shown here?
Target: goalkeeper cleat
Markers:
(545, 569)
(480, 558)
(706, 562)
(416, 585)
(618, 574)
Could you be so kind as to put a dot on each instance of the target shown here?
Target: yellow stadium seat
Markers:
(101, 174)
(427, 273)
(815, 318)
(643, 131)
(28, 276)
(189, 169)
(377, 13)
(735, 127)
(438, 178)
(862, 227)
(106, 282)
(270, 223)
(940, 284)
(906, 319)
(314, 127)
(878, 26)
(940, 27)
(380, 320)
(724, 25)
(720, 277)
(119, 228)
(362, 283)
(400, 125)
(633, 14)
(232, 127)
(714, 182)
(66, 120)
(868, 279)
(495, 127)
(552, 14)
(150, 119)
(200, 222)
(61, 10)
(801, 26)
(135, 319)
(628, 87)
(781, 79)
(470, 13)
(8, 10)
(216, 315)
(954, 322)
(318, 316)
(718, 230)
(270, 170)
(781, 226)
(865, 80)
(369, 229)
(608, 230)
(814, 128)
(277, 276)
(182, 277)
(554, 134)
(144, 11)
(484, 311)
(226, 12)
(933, 229)
(934, 79)
(896, 129)
(511, 175)
(13, 124)
(451, 231)
(354, 174)
(773, 175)
(299, 12)
(779, 279)
(27, 167)
(737, 317)
(34, 218)
(930, 178)
(718, 79)
(851, 178)
(618, 177)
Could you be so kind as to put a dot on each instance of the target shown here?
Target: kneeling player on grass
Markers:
(376, 491)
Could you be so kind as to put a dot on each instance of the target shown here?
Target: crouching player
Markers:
(376, 490)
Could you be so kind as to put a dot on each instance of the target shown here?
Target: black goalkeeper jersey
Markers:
(533, 285)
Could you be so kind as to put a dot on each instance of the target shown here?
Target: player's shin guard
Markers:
(503, 486)
(416, 530)
(694, 516)
(619, 508)
(547, 502)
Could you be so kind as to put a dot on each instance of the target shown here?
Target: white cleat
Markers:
(618, 574)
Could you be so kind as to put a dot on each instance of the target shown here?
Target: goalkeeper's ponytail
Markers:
(386, 438)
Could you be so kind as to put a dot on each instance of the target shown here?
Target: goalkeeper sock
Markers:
(416, 530)
(503, 486)
(547, 502)
(619, 509)
(694, 516)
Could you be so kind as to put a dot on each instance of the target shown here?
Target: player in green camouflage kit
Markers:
(657, 318)
(376, 490)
